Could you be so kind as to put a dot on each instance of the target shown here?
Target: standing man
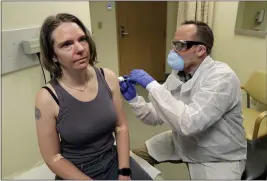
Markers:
(201, 103)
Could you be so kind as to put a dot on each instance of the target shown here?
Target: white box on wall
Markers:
(13, 56)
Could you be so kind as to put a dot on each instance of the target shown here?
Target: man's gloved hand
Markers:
(127, 89)
(141, 77)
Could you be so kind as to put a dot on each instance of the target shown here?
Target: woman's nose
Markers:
(78, 47)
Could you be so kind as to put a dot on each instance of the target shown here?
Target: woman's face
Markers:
(71, 47)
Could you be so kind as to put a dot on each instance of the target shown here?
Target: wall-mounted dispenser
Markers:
(260, 16)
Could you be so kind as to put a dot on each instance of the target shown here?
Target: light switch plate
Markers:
(13, 56)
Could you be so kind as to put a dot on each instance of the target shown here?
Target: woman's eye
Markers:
(67, 44)
(83, 39)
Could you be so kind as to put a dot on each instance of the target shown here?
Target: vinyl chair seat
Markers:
(250, 116)
(255, 166)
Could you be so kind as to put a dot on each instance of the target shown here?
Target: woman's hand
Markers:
(121, 177)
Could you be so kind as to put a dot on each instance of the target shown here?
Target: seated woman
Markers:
(80, 108)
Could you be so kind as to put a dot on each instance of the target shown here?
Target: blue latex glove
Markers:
(141, 77)
(127, 89)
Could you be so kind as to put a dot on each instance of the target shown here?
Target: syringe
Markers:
(122, 79)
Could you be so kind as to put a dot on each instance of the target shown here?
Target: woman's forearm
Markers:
(123, 147)
(66, 170)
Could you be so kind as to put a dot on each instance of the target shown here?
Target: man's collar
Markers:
(185, 77)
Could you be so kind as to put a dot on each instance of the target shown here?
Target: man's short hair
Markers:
(204, 33)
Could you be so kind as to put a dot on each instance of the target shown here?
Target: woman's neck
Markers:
(76, 78)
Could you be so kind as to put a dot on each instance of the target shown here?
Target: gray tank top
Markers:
(85, 128)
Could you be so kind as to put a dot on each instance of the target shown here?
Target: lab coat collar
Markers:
(207, 62)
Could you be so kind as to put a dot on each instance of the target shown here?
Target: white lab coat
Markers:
(203, 113)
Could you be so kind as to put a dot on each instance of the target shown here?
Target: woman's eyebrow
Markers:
(64, 42)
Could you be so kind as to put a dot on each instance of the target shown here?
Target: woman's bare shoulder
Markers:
(44, 98)
(111, 78)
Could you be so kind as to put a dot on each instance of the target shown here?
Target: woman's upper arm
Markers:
(45, 117)
(113, 82)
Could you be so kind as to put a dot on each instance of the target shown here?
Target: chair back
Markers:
(256, 86)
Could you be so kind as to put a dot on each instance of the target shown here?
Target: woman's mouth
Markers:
(80, 59)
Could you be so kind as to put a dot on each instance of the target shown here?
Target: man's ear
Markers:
(201, 50)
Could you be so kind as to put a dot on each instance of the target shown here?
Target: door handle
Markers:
(122, 32)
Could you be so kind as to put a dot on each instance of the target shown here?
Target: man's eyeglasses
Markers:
(182, 45)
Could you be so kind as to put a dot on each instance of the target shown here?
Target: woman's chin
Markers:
(81, 66)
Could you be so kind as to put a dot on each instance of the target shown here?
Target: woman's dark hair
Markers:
(46, 42)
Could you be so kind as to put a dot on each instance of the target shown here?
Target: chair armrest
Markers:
(248, 96)
(259, 118)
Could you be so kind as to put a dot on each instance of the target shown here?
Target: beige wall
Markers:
(19, 144)
(1, 94)
(172, 8)
(106, 37)
(243, 53)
